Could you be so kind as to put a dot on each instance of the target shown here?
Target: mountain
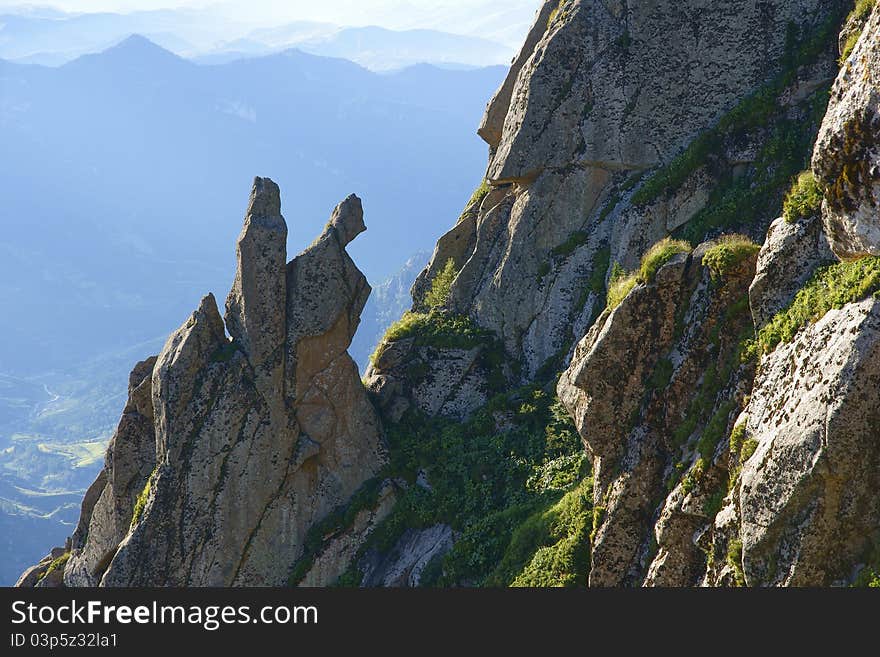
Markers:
(209, 37)
(380, 49)
(118, 180)
(646, 353)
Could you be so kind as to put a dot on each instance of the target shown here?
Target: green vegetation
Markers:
(689, 481)
(342, 517)
(225, 353)
(435, 329)
(554, 13)
(57, 564)
(596, 283)
(831, 287)
(479, 194)
(804, 199)
(661, 376)
(860, 12)
(658, 255)
(441, 286)
(734, 560)
(727, 253)
(558, 539)
(869, 576)
(516, 489)
(622, 282)
(747, 450)
(543, 270)
(141, 502)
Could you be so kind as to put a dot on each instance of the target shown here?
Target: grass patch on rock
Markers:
(830, 287)
(727, 253)
(804, 199)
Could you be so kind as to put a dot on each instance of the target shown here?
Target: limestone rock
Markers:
(847, 155)
(790, 255)
(809, 503)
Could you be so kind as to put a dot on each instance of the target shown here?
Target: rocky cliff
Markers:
(646, 354)
(231, 448)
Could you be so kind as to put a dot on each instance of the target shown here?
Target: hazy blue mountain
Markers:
(380, 49)
(389, 300)
(50, 37)
(124, 177)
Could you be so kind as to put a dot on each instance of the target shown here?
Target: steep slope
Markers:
(618, 124)
(230, 450)
(779, 480)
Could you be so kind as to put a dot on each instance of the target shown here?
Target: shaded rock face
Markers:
(110, 501)
(230, 450)
(809, 502)
(599, 95)
(646, 388)
(406, 562)
(847, 156)
(447, 382)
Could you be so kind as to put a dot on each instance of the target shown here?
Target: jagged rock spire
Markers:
(255, 305)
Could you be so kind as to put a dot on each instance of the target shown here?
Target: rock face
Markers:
(230, 450)
(259, 460)
(847, 155)
(585, 115)
(809, 502)
(405, 563)
(110, 501)
(656, 425)
(790, 255)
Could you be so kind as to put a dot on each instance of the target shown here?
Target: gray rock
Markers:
(790, 255)
(609, 91)
(808, 497)
(108, 505)
(252, 440)
(255, 306)
(847, 155)
(405, 563)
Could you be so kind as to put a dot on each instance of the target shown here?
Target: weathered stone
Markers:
(109, 502)
(255, 307)
(638, 373)
(846, 159)
(790, 255)
(336, 556)
(808, 498)
(609, 91)
(405, 563)
(252, 440)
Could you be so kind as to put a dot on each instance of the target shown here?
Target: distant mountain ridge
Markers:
(56, 40)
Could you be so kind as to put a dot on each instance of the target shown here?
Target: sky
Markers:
(462, 16)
